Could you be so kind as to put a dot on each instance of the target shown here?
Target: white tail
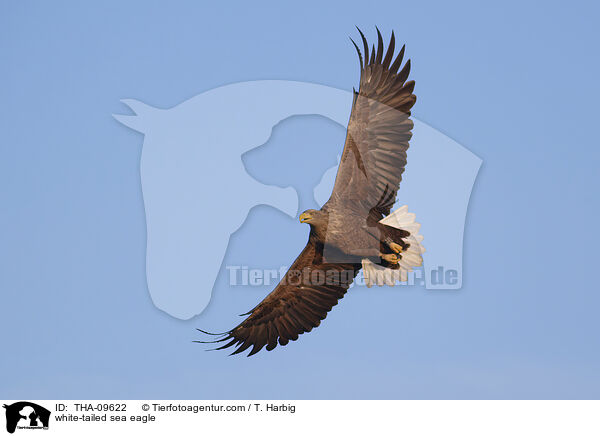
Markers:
(411, 258)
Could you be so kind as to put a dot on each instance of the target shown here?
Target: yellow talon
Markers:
(396, 247)
(390, 258)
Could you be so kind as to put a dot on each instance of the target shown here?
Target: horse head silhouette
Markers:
(197, 191)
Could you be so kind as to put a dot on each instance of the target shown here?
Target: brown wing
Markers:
(378, 132)
(300, 301)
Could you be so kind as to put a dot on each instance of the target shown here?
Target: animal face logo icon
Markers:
(197, 192)
(24, 414)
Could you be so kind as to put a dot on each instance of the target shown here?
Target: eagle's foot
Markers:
(396, 248)
(390, 258)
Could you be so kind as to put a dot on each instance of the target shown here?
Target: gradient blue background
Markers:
(515, 82)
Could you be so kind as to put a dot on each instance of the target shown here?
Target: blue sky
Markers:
(515, 82)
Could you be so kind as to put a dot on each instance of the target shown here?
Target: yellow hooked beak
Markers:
(305, 217)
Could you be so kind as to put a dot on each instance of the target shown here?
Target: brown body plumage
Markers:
(347, 228)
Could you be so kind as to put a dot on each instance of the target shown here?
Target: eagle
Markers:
(354, 229)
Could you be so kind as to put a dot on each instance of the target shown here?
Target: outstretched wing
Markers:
(378, 132)
(300, 301)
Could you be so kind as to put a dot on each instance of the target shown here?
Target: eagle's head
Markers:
(316, 218)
